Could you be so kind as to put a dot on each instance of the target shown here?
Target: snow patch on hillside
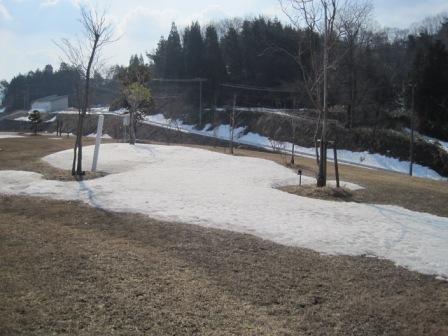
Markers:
(195, 186)
(442, 144)
(366, 159)
(22, 119)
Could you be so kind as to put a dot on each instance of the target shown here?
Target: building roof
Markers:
(49, 98)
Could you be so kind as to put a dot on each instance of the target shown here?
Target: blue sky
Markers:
(28, 27)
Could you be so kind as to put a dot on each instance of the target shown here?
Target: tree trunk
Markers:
(83, 113)
(292, 155)
(79, 170)
(131, 127)
(322, 174)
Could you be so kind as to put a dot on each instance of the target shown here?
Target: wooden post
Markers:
(336, 166)
(411, 149)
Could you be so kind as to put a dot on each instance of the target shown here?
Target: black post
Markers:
(411, 149)
(232, 123)
(321, 181)
(336, 166)
(200, 103)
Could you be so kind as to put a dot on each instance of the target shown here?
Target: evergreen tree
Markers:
(193, 51)
(431, 97)
(233, 55)
(174, 66)
(214, 64)
(35, 119)
(159, 59)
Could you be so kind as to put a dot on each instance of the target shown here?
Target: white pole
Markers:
(99, 134)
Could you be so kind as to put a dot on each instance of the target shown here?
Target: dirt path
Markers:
(69, 269)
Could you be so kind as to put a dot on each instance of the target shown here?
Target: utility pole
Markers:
(411, 149)
(322, 175)
(200, 103)
(293, 124)
(232, 123)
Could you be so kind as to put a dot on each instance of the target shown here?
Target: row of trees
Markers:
(369, 75)
(429, 75)
(66, 80)
(238, 55)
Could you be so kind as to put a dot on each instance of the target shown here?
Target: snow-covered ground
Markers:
(9, 135)
(104, 136)
(443, 144)
(365, 159)
(22, 119)
(95, 111)
(237, 193)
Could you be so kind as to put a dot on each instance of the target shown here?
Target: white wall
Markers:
(60, 104)
(52, 106)
(41, 106)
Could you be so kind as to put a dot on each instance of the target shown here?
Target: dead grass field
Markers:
(69, 269)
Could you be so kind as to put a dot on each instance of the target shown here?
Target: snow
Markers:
(195, 186)
(9, 135)
(95, 111)
(442, 144)
(26, 119)
(22, 119)
(364, 159)
(104, 136)
(51, 120)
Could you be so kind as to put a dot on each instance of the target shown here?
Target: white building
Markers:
(50, 104)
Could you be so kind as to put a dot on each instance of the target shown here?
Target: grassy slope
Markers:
(67, 268)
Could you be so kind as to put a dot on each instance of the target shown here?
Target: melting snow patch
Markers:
(22, 119)
(8, 135)
(105, 136)
(364, 159)
(236, 193)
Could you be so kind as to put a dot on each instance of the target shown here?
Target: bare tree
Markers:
(294, 125)
(84, 54)
(354, 21)
(233, 118)
(314, 19)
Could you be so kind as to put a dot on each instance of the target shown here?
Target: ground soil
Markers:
(70, 269)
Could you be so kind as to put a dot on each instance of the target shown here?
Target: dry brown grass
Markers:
(26, 155)
(69, 269)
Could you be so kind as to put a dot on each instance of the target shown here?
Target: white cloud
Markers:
(212, 13)
(4, 13)
(25, 54)
(47, 3)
